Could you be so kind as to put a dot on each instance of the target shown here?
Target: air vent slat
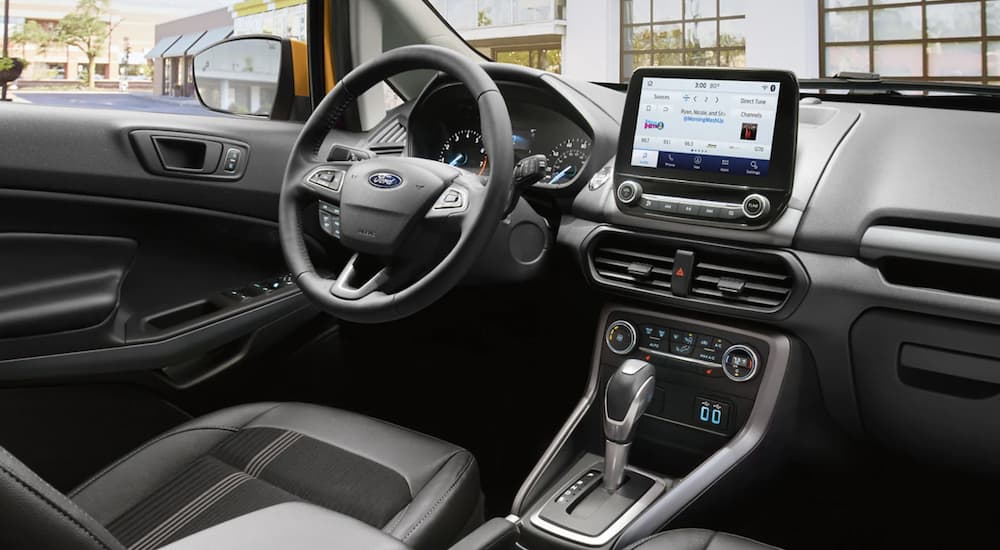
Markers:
(726, 277)
(712, 281)
(701, 266)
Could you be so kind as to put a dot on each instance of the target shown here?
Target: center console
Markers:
(708, 400)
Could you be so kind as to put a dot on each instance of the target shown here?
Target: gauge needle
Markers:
(559, 176)
(459, 160)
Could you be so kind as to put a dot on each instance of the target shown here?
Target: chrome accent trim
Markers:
(627, 325)
(613, 530)
(691, 360)
(636, 191)
(765, 206)
(615, 461)
(753, 356)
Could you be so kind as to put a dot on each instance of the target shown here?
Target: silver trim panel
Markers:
(613, 530)
(691, 360)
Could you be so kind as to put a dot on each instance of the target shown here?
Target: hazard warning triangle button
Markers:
(680, 282)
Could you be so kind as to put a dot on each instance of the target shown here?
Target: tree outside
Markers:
(87, 29)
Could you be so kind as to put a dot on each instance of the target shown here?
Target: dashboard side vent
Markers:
(749, 280)
(763, 282)
(644, 270)
(389, 140)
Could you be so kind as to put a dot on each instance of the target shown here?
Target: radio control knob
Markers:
(621, 337)
(740, 363)
(755, 206)
(629, 192)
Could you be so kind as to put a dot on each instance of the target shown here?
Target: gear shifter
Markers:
(628, 393)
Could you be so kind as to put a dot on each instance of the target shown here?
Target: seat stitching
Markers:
(441, 499)
(100, 475)
(52, 505)
(164, 437)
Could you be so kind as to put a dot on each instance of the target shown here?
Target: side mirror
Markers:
(247, 75)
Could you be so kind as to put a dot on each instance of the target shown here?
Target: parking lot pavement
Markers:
(136, 101)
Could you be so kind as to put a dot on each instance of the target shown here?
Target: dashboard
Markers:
(882, 236)
(445, 127)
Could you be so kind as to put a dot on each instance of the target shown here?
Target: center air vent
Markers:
(639, 269)
(749, 280)
(763, 282)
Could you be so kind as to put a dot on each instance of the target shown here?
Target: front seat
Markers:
(419, 490)
(698, 539)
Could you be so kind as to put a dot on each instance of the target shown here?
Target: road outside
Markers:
(133, 101)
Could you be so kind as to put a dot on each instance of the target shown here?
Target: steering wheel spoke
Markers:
(343, 287)
(460, 202)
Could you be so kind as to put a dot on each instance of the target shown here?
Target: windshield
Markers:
(606, 40)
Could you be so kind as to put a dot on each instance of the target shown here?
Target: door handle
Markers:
(182, 154)
(187, 155)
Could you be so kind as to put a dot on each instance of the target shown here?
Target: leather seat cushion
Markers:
(698, 539)
(418, 489)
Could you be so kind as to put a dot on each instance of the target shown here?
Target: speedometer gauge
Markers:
(465, 149)
(566, 161)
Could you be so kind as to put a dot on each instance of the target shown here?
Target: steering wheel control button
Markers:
(628, 192)
(329, 219)
(621, 337)
(755, 206)
(327, 177)
(740, 363)
(452, 199)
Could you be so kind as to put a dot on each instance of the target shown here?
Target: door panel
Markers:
(127, 270)
(51, 287)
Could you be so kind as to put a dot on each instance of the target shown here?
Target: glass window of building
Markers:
(956, 40)
(682, 32)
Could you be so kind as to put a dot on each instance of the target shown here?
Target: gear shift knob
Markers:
(626, 398)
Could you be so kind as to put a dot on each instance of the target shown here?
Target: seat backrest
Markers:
(34, 515)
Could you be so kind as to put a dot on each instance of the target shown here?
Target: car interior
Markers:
(506, 313)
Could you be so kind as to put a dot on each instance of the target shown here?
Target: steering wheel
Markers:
(385, 202)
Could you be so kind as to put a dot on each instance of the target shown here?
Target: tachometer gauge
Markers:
(465, 149)
(566, 161)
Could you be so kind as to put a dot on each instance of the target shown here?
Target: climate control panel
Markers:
(707, 376)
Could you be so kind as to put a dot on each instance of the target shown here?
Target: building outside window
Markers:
(956, 40)
(523, 32)
(682, 32)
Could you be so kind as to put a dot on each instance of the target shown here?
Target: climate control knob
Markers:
(740, 363)
(621, 337)
(629, 192)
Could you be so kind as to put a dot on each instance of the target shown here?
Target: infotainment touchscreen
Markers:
(720, 126)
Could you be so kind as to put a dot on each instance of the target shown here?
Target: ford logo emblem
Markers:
(385, 180)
